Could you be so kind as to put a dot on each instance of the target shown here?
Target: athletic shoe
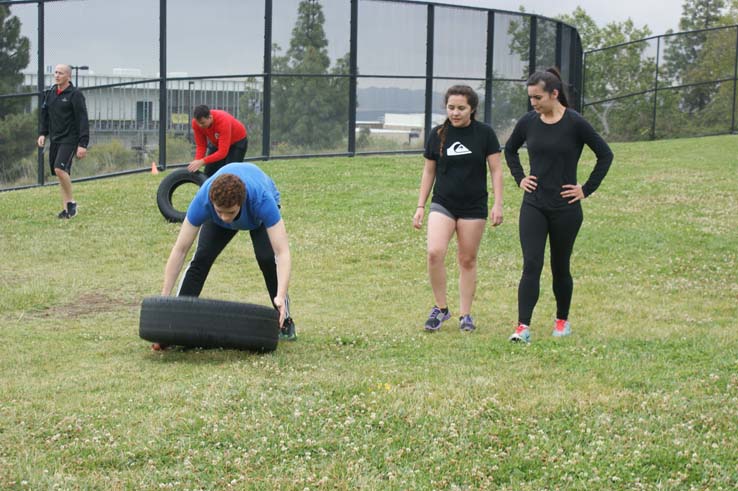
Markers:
(561, 328)
(466, 323)
(435, 319)
(63, 214)
(287, 331)
(71, 209)
(521, 334)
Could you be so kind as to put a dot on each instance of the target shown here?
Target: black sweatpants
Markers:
(561, 228)
(211, 241)
(236, 153)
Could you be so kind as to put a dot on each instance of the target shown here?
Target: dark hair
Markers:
(551, 79)
(471, 98)
(201, 111)
(227, 190)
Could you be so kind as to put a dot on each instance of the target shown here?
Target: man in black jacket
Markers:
(64, 120)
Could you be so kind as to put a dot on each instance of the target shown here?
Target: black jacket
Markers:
(64, 117)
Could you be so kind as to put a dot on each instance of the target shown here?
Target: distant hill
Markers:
(374, 102)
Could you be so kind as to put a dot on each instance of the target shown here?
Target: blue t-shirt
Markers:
(261, 205)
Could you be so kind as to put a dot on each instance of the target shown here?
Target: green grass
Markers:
(644, 395)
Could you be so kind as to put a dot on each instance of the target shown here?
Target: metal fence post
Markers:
(735, 82)
(352, 77)
(163, 115)
(429, 33)
(655, 88)
(490, 67)
(267, 96)
(41, 83)
(584, 80)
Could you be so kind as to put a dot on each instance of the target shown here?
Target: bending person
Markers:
(457, 155)
(552, 207)
(219, 130)
(238, 197)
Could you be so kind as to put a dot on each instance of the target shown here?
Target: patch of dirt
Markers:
(87, 304)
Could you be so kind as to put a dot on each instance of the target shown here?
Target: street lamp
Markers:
(76, 69)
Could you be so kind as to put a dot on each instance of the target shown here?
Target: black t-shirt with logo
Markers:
(461, 172)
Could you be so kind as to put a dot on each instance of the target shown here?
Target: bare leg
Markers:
(440, 230)
(469, 235)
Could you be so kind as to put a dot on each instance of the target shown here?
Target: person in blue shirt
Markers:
(240, 196)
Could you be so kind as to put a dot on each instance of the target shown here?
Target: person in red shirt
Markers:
(221, 130)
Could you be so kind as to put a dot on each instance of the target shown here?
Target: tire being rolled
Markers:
(206, 323)
(170, 184)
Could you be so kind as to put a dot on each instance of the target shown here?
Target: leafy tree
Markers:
(18, 134)
(309, 112)
(14, 57)
(705, 108)
(683, 52)
(251, 110)
(609, 73)
(616, 72)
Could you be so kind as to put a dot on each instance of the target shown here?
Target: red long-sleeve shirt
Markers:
(224, 131)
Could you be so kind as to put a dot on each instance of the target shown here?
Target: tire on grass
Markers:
(206, 323)
(170, 184)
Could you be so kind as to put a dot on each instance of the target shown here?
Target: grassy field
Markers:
(643, 395)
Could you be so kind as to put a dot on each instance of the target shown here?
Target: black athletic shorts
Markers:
(61, 156)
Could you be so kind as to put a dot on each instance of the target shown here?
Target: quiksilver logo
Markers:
(457, 148)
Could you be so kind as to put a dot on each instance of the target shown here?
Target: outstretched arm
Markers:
(186, 237)
(278, 239)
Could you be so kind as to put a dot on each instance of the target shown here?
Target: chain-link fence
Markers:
(669, 86)
(307, 77)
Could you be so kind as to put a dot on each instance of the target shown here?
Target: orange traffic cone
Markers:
(154, 168)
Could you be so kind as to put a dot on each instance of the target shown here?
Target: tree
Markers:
(684, 51)
(616, 72)
(309, 111)
(609, 73)
(14, 57)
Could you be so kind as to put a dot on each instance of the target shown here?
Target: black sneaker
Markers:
(63, 214)
(287, 331)
(71, 209)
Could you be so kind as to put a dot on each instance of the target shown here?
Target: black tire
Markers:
(206, 323)
(167, 187)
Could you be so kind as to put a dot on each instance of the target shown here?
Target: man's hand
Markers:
(41, 140)
(195, 165)
(81, 152)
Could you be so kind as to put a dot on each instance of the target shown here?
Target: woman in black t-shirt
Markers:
(551, 208)
(457, 155)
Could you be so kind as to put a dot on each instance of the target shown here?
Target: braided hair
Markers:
(471, 98)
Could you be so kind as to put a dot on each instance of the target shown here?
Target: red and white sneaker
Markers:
(521, 334)
(561, 328)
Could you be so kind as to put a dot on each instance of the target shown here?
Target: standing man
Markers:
(221, 130)
(64, 120)
(238, 197)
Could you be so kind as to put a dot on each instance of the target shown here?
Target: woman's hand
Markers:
(418, 217)
(573, 191)
(529, 184)
(496, 217)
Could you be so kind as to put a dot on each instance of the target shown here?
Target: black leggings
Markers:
(561, 227)
(235, 154)
(211, 242)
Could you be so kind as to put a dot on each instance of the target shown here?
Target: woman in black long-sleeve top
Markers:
(555, 136)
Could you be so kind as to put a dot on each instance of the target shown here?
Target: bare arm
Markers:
(186, 237)
(278, 239)
(494, 162)
(426, 183)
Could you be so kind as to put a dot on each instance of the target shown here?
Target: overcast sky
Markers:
(659, 15)
(100, 34)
